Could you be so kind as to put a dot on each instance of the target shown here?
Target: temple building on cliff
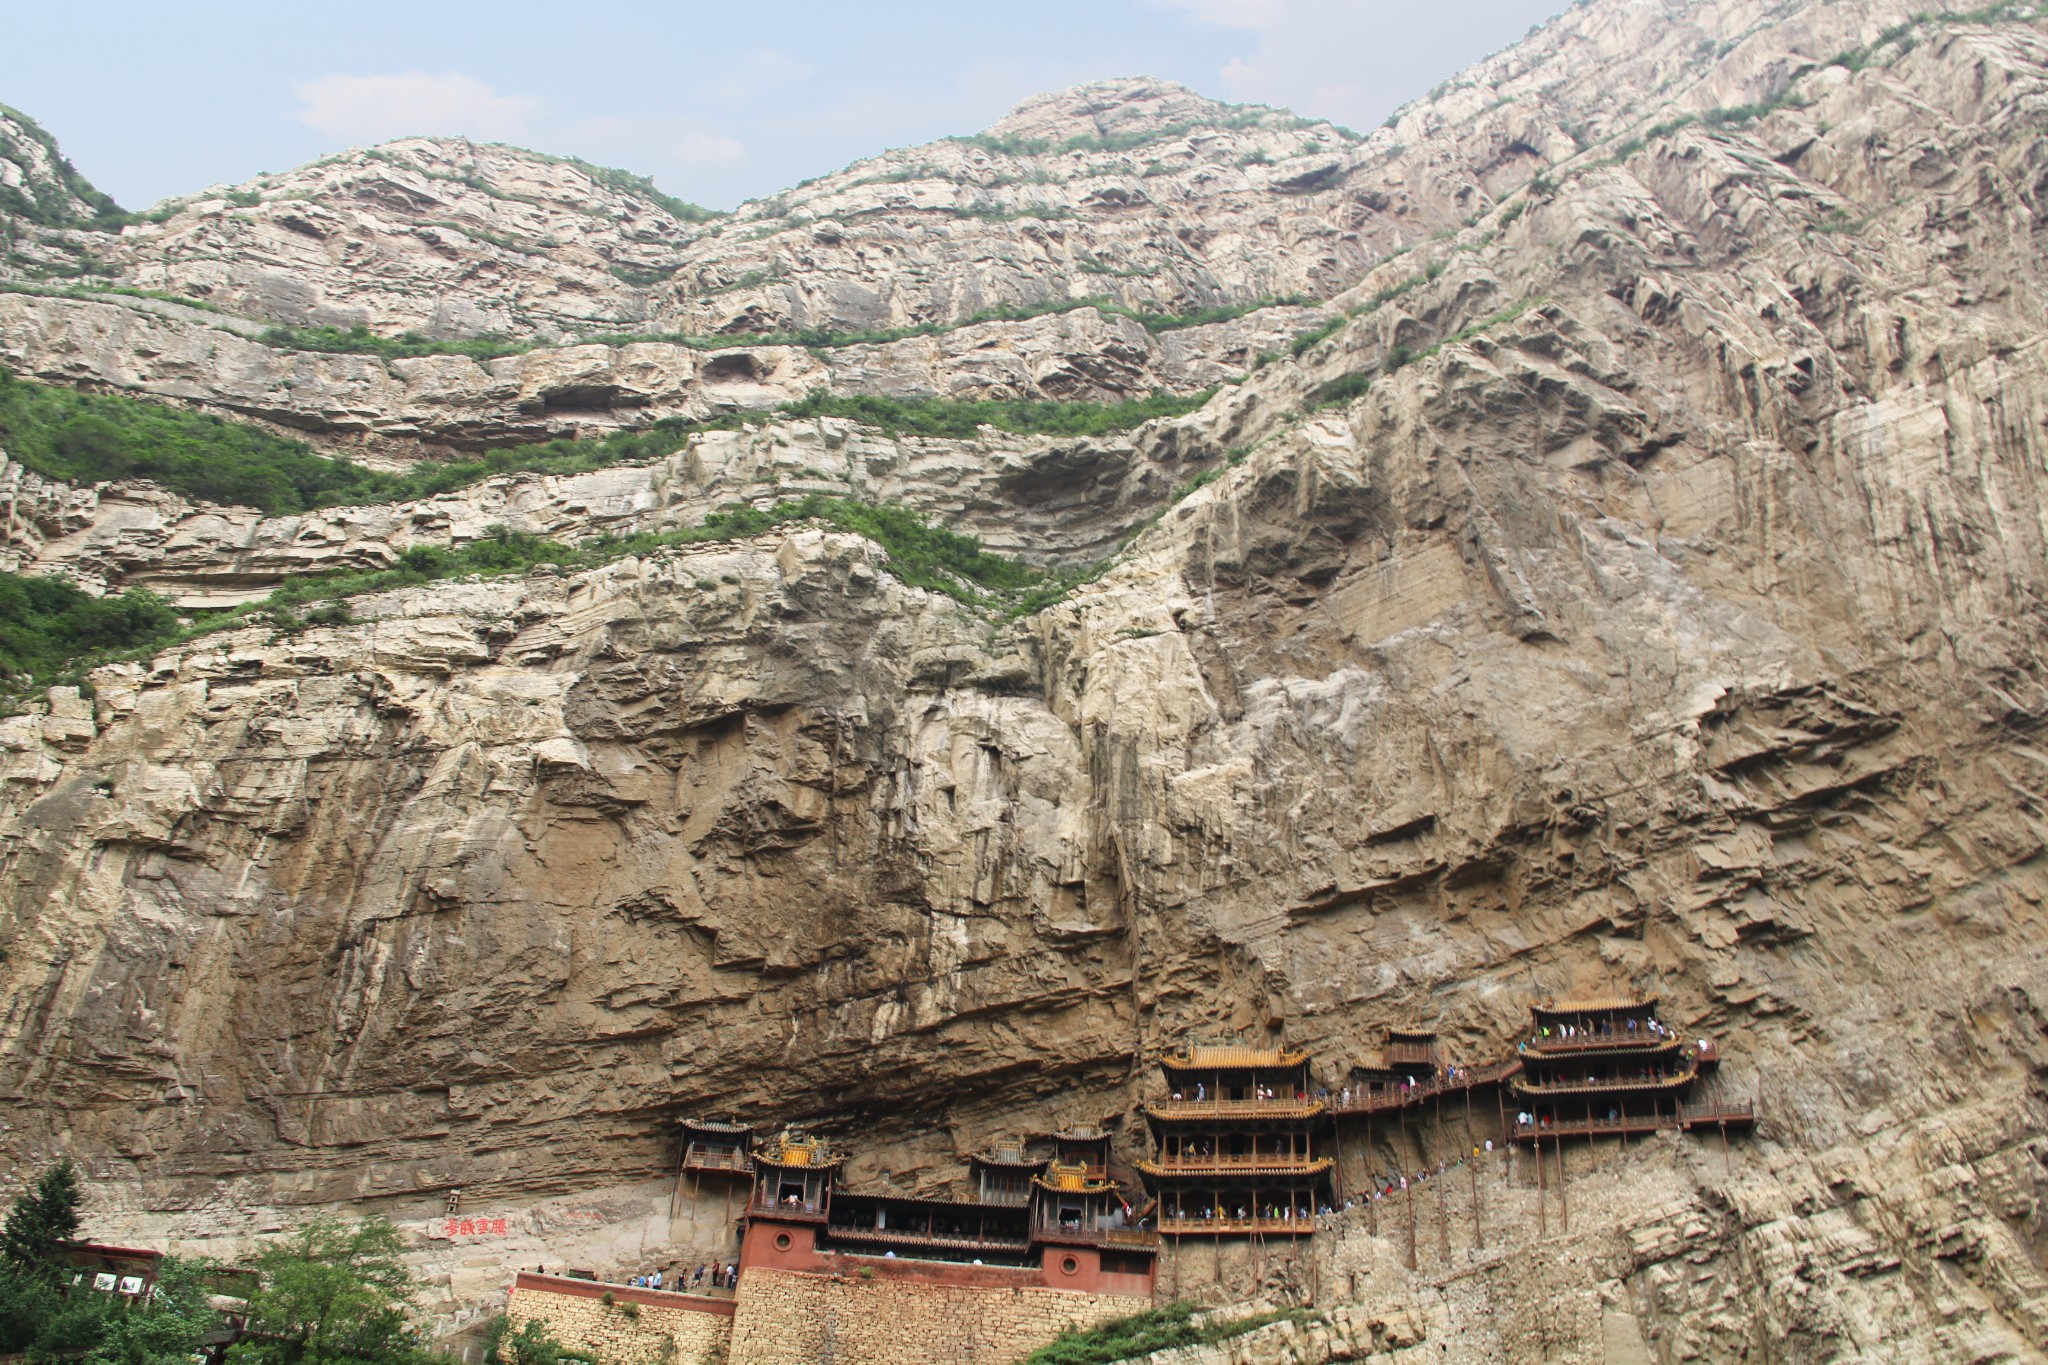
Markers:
(1042, 1238)
(1058, 1220)
(717, 1148)
(1235, 1145)
(1611, 1067)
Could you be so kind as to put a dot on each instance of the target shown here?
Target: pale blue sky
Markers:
(718, 102)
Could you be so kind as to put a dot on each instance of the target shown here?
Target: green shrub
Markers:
(362, 341)
(960, 419)
(532, 1344)
(51, 631)
(1342, 389)
(47, 202)
(47, 622)
(81, 438)
(1303, 343)
(1157, 1329)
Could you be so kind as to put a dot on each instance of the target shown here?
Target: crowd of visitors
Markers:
(714, 1274)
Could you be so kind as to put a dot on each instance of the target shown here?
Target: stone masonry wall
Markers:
(794, 1319)
(639, 1327)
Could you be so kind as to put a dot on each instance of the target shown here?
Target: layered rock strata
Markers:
(1664, 615)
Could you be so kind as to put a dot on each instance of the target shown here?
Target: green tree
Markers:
(45, 1317)
(333, 1294)
(532, 1344)
(169, 1329)
(42, 1219)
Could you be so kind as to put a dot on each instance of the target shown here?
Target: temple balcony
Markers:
(1649, 1043)
(1564, 1087)
(726, 1162)
(1253, 1164)
(1288, 1226)
(806, 1211)
(1688, 1118)
(942, 1241)
(1233, 1110)
(1067, 1234)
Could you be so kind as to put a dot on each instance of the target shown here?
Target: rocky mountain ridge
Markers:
(1642, 589)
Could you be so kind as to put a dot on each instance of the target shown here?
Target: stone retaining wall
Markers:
(637, 1327)
(787, 1318)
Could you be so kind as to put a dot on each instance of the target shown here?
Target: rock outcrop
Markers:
(1644, 589)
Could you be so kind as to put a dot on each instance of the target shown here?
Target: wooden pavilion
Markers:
(1611, 1067)
(1234, 1144)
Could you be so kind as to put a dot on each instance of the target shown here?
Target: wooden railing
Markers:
(1386, 1100)
(947, 1241)
(1007, 1199)
(1689, 1116)
(808, 1212)
(1255, 1163)
(1289, 1108)
(1591, 1042)
(1231, 1227)
(1674, 1081)
(713, 1160)
(1054, 1231)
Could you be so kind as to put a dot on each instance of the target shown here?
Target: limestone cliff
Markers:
(1643, 588)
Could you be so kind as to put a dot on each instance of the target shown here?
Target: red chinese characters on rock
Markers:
(474, 1227)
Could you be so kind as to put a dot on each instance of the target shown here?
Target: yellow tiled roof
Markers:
(1225, 1057)
(1597, 1005)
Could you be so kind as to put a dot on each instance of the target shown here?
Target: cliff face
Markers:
(1666, 615)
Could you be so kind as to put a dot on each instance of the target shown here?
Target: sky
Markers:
(718, 102)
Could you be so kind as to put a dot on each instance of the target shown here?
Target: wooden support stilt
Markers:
(1542, 1198)
(675, 1194)
(1507, 1147)
(1337, 1126)
(1472, 1174)
(1727, 1157)
(1443, 1217)
(1408, 1198)
(1372, 1204)
(1564, 1212)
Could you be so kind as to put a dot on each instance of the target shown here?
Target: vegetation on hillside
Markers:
(959, 419)
(49, 202)
(362, 341)
(46, 624)
(44, 1317)
(61, 433)
(82, 438)
(52, 632)
(331, 1293)
(1157, 1329)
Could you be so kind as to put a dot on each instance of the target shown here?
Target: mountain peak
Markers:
(1124, 109)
